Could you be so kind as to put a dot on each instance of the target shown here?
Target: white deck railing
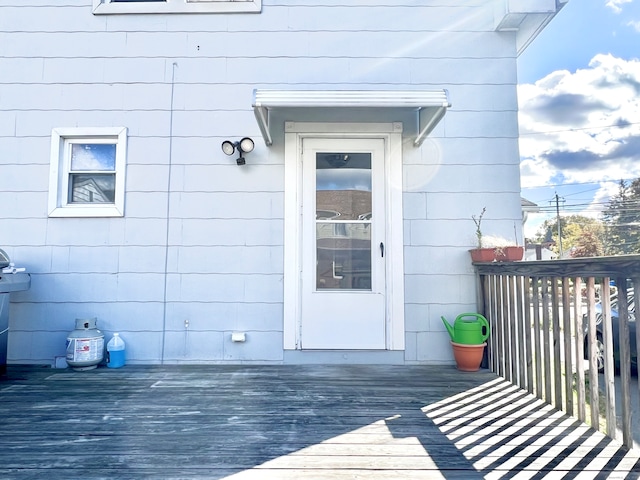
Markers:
(543, 314)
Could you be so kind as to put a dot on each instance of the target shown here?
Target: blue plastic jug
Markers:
(115, 352)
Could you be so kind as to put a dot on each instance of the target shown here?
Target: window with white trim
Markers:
(107, 7)
(87, 172)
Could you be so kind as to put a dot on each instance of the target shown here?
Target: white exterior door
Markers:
(343, 281)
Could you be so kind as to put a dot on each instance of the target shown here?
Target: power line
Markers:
(554, 185)
(603, 127)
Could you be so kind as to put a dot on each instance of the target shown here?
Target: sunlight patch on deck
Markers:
(369, 451)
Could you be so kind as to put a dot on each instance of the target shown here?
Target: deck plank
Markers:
(315, 422)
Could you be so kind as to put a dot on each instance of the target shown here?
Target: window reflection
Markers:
(88, 182)
(343, 221)
(344, 256)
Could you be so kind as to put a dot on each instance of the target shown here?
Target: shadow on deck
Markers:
(290, 422)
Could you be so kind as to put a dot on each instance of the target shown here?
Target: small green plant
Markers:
(478, 221)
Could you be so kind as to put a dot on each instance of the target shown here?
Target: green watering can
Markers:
(468, 329)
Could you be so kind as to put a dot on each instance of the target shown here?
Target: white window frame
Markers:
(61, 139)
(109, 7)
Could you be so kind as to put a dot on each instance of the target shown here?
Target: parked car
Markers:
(616, 329)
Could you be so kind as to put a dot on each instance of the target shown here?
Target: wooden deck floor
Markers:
(290, 423)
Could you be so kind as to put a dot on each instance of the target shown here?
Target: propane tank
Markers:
(85, 345)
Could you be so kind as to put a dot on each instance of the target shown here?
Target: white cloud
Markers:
(635, 25)
(615, 5)
(581, 127)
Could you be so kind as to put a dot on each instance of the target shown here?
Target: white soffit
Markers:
(429, 105)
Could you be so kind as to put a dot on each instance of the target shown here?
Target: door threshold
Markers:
(382, 357)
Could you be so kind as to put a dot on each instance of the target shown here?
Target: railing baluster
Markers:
(594, 395)
(527, 347)
(508, 328)
(579, 347)
(566, 337)
(555, 327)
(502, 325)
(625, 360)
(520, 324)
(491, 316)
(609, 368)
(513, 329)
(546, 327)
(495, 327)
(537, 357)
(486, 311)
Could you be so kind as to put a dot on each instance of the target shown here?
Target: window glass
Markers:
(92, 188)
(87, 156)
(343, 221)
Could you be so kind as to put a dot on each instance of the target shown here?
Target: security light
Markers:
(228, 148)
(243, 146)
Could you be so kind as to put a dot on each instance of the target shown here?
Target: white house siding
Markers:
(212, 252)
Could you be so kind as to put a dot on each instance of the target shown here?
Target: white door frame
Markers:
(391, 133)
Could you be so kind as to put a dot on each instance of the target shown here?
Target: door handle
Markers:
(381, 249)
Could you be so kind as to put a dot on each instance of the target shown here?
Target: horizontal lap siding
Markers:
(182, 84)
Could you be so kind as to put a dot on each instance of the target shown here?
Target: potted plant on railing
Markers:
(481, 253)
(493, 248)
(505, 251)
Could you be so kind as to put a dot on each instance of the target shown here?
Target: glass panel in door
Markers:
(343, 221)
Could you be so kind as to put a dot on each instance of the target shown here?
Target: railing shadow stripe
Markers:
(482, 414)
(616, 459)
(468, 398)
(500, 429)
(478, 400)
(523, 442)
(584, 462)
(634, 470)
(555, 461)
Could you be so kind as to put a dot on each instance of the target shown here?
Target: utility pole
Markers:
(559, 227)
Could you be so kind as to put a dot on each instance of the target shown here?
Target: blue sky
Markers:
(579, 102)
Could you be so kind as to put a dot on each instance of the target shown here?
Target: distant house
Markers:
(379, 130)
(528, 207)
(539, 252)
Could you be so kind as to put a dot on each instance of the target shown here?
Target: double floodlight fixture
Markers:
(243, 146)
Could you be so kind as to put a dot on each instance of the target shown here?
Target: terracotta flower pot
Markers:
(483, 254)
(468, 357)
(509, 254)
(514, 254)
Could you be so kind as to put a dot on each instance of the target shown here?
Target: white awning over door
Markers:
(429, 105)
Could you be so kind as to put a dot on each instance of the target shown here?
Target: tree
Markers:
(581, 236)
(622, 220)
(590, 243)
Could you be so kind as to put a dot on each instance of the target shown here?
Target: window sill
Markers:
(86, 211)
(102, 7)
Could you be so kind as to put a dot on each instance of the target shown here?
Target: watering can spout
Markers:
(449, 328)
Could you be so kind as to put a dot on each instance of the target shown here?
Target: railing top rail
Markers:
(620, 265)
